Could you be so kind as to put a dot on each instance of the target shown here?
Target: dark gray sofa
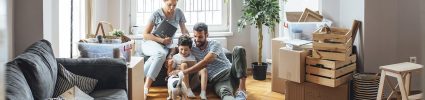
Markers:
(32, 75)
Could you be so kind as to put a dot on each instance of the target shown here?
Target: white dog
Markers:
(176, 87)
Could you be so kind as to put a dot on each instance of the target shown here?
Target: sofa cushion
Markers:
(17, 87)
(39, 67)
(110, 73)
(67, 80)
(110, 94)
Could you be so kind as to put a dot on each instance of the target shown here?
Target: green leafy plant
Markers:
(117, 32)
(259, 13)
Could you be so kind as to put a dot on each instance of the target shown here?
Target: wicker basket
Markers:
(365, 86)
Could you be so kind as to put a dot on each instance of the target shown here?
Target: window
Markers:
(212, 12)
(3, 32)
(72, 26)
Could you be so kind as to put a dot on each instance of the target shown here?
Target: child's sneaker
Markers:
(203, 95)
(190, 93)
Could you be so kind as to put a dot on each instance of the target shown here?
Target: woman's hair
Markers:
(185, 40)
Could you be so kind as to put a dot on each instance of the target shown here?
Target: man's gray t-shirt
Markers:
(220, 63)
(177, 19)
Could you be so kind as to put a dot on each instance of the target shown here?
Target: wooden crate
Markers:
(338, 56)
(331, 73)
(329, 63)
(338, 35)
(333, 46)
(326, 81)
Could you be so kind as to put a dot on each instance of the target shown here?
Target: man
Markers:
(222, 74)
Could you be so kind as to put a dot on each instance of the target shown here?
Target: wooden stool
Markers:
(401, 71)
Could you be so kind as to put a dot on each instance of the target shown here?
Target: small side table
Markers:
(401, 71)
(135, 78)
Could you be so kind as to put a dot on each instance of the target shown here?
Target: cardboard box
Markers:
(292, 64)
(311, 91)
(314, 91)
(294, 91)
(278, 83)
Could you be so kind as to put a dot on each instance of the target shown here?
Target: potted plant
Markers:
(117, 33)
(260, 13)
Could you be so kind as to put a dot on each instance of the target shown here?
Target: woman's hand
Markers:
(166, 41)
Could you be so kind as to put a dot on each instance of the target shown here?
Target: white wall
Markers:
(331, 10)
(242, 38)
(353, 10)
(248, 37)
(114, 11)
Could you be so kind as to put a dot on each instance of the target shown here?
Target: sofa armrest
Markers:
(110, 73)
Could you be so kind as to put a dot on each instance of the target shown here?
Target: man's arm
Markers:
(201, 64)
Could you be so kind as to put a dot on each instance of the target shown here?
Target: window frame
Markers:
(215, 30)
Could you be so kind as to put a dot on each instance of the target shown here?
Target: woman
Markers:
(154, 46)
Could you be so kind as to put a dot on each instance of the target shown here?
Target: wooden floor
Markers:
(257, 90)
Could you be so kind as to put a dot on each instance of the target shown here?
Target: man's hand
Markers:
(176, 72)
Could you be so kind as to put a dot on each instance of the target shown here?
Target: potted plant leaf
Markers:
(260, 13)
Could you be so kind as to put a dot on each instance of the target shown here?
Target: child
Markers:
(183, 59)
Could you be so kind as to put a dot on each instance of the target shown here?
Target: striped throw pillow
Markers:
(67, 80)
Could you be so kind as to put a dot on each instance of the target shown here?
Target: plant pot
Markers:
(259, 71)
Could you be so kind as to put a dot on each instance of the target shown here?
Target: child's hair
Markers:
(185, 41)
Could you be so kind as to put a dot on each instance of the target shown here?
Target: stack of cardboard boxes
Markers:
(278, 83)
(326, 68)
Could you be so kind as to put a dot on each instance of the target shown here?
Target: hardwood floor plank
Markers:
(256, 90)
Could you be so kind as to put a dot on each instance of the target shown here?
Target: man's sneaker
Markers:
(224, 92)
(240, 95)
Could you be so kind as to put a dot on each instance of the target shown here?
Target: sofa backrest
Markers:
(39, 67)
(17, 87)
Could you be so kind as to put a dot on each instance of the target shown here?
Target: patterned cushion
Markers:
(67, 80)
